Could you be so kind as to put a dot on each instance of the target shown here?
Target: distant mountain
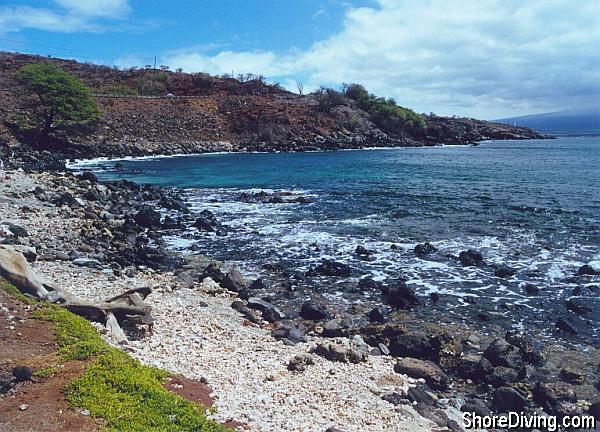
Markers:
(572, 122)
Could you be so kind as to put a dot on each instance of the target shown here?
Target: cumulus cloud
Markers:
(481, 58)
(68, 16)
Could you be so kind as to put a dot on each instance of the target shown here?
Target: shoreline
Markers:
(179, 311)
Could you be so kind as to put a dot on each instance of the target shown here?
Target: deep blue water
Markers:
(534, 205)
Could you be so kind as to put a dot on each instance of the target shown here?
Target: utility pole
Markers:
(154, 62)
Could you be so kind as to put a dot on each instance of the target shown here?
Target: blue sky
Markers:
(482, 58)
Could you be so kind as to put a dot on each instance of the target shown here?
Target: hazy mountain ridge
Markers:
(571, 122)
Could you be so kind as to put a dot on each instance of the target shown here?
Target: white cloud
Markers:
(70, 16)
(481, 58)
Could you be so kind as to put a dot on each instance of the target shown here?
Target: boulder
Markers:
(424, 249)
(335, 328)
(578, 306)
(89, 176)
(594, 411)
(269, 310)
(572, 376)
(549, 395)
(300, 362)
(147, 217)
(87, 262)
(288, 333)
(30, 253)
(504, 271)
(397, 294)
(174, 204)
(477, 407)
(22, 373)
(314, 310)
(501, 353)
(380, 314)
(588, 270)
(15, 230)
(343, 350)
(566, 325)
(332, 268)
(530, 289)
(234, 281)
(429, 371)
(206, 221)
(363, 253)
(214, 272)
(471, 258)
(507, 399)
(251, 315)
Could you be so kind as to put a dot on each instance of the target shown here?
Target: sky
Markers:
(479, 58)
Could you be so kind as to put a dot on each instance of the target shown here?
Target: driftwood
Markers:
(128, 308)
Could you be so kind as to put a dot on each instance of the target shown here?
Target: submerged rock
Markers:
(588, 270)
(331, 268)
(424, 249)
(147, 217)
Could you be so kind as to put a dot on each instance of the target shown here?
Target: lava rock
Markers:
(234, 281)
(397, 294)
(206, 221)
(289, 334)
(174, 204)
(343, 350)
(380, 314)
(313, 310)
(531, 289)
(300, 362)
(424, 249)
(332, 268)
(471, 258)
(507, 399)
(476, 406)
(147, 217)
(363, 253)
(87, 262)
(271, 313)
(565, 325)
(89, 176)
(16, 230)
(429, 371)
(549, 395)
(504, 271)
(578, 306)
(22, 373)
(501, 353)
(571, 376)
(214, 272)
(588, 270)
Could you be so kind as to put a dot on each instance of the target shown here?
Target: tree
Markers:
(62, 99)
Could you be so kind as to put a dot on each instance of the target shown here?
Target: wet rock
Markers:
(501, 353)
(429, 371)
(332, 268)
(22, 373)
(424, 249)
(397, 294)
(470, 258)
(417, 345)
(314, 310)
(571, 375)
(507, 399)
(343, 350)
(363, 253)
(588, 270)
(170, 223)
(147, 217)
(504, 271)
(578, 305)
(89, 176)
(258, 284)
(469, 367)
(300, 362)
(566, 325)
(174, 204)
(368, 284)
(532, 350)
(234, 281)
(206, 221)
(530, 289)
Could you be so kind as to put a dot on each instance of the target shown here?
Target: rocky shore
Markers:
(309, 366)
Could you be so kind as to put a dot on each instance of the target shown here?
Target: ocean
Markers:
(531, 205)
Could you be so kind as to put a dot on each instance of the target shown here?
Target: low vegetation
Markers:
(126, 394)
(385, 113)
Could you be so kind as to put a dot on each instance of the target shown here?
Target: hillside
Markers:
(147, 111)
(571, 122)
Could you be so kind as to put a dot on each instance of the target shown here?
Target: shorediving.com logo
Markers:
(514, 420)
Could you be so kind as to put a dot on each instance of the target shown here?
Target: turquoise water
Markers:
(534, 205)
